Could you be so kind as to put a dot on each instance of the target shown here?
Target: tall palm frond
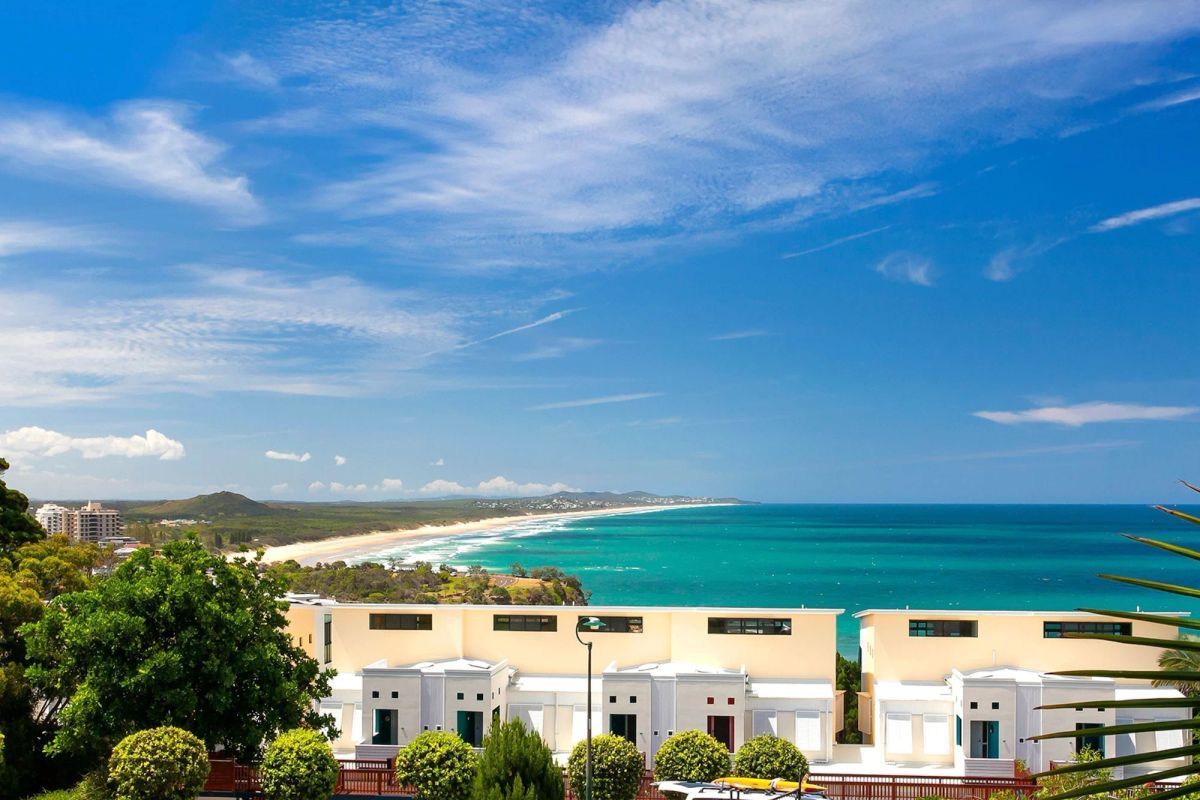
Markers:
(1179, 669)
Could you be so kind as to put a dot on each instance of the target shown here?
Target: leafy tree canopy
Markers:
(183, 638)
(691, 756)
(438, 765)
(299, 765)
(617, 768)
(768, 756)
(17, 525)
(158, 764)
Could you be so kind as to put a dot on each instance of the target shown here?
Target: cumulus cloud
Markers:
(144, 146)
(32, 440)
(390, 485)
(347, 488)
(498, 486)
(1086, 413)
(441, 462)
(279, 488)
(316, 486)
(339, 461)
(906, 268)
(276, 455)
(1147, 215)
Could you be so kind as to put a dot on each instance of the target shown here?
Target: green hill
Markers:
(207, 506)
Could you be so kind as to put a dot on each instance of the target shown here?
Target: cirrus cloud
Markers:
(1087, 413)
(498, 486)
(32, 440)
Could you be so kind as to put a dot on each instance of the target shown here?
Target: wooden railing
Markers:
(377, 779)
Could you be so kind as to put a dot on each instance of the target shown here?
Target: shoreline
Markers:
(340, 548)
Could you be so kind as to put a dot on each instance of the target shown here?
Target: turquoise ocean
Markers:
(1042, 557)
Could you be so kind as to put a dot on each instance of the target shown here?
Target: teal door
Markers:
(470, 727)
(993, 739)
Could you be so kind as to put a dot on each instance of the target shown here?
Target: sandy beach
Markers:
(339, 548)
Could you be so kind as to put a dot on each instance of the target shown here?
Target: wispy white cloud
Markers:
(597, 401)
(24, 236)
(279, 488)
(554, 317)
(144, 146)
(753, 333)
(631, 122)
(316, 486)
(1087, 413)
(907, 268)
(1025, 452)
(246, 68)
(1189, 95)
(390, 485)
(276, 455)
(347, 488)
(441, 462)
(843, 240)
(1147, 215)
(339, 461)
(558, 348)
(498, 486)
(35, 441)
(660, 422)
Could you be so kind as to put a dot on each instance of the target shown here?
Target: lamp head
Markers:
(591, 624)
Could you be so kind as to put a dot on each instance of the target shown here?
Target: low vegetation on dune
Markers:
(422, 583)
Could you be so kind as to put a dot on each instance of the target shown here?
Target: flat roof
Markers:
(792, 690)
(946, 612)
(581, 610)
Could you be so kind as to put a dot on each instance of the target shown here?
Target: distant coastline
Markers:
(341, 548)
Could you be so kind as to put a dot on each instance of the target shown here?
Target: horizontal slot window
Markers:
(751, 626)
(1056, 630)
(614, 624)
(401, 622)
(963, 628)
(524, 622)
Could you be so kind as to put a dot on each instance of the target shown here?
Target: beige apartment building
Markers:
(404, 669)
(951, 693)
(91, 523)
(960, 690)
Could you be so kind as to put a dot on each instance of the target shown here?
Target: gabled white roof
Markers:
(1016, 675)
(566, 684)
(674, 669)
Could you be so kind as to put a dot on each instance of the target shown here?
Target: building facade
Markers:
(52, 518)
(94, 522)
(963, 690)
(953, 693)
(405, 669)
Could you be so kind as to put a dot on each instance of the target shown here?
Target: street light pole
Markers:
(594, 624)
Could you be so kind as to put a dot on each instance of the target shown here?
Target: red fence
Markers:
(377, 779)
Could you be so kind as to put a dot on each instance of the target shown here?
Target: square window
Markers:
(711, 701)
(458, 696)
(974, 704)
(479, 696)
(375, 694)
(633, 699)
(395, 694)
(612, 698)
(729, 701)
(995, 705)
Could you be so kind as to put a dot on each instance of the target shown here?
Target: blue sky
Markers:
(877, 252)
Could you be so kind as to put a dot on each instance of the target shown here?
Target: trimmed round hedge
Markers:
(617, 768)
(165, 763)
(767, 756)
(299, 765)
(691, 756)
(438, 765)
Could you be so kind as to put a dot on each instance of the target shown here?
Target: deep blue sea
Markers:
(1041, 557)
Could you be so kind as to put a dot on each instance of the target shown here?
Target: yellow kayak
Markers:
(767, 783)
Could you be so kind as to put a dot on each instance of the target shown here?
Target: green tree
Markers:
(768, 756)
(1177, 660)
(299, 765)
(1180, 672)
(849, 679)
(183, 638)
(516, 765)
(438, 765)
(617, 768)
(17, 525)
(691, 756)
(158, 764)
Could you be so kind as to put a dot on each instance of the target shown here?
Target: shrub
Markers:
(691, 756)
(299, 765)
(438, 765)
(617, 768)
(158, 764)
(768, 756)
(516, 765)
